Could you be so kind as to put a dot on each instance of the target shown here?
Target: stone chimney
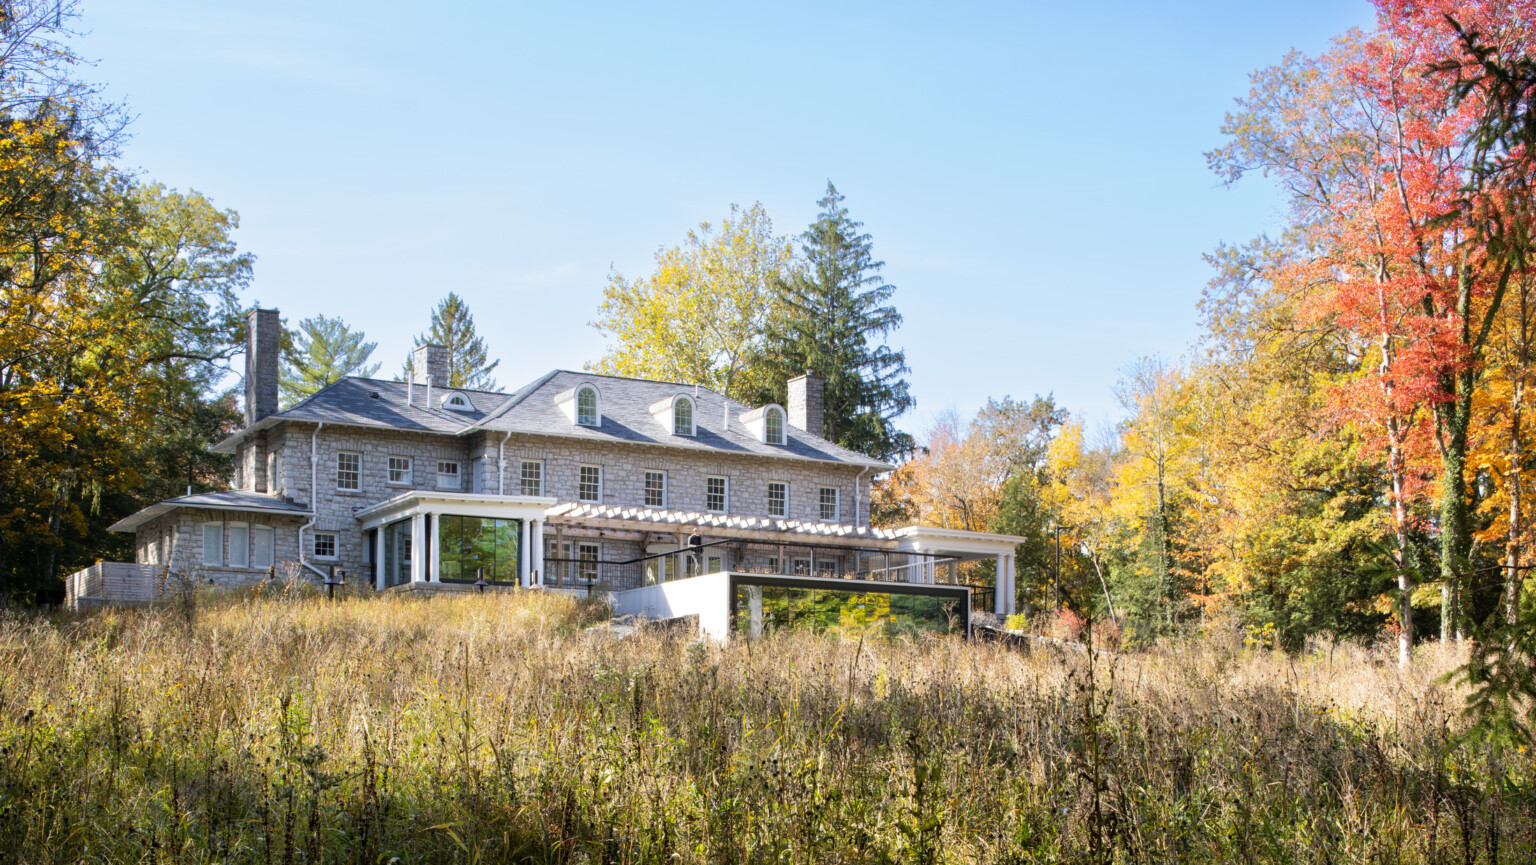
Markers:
(263, 329)
(430, 361)
(806, 401)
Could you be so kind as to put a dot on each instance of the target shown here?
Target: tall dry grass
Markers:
(483, 729)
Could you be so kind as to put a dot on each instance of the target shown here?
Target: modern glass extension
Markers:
(471, 546)
(763, 605)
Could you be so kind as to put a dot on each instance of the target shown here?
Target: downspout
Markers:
(856, 497)
(501, 464)
(314, 497)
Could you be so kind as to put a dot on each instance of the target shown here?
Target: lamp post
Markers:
(331, 582)
(480, 582)
(1056, 580)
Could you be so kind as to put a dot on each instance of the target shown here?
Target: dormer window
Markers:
(773, 425)
(457, 402)
(586, 406)
(682, 416)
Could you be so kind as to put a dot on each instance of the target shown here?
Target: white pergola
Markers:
(420, 505)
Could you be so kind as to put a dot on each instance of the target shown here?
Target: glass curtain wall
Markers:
(397, 553)
(759, 609)
(469, 546)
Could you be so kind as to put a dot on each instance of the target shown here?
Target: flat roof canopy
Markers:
(412, 502)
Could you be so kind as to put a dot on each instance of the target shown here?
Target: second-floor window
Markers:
(400, 470)
(716, 495)
(589, 486)
(829, 503)
(448, 475)
(532, 479)
(778, 499)
(655, 489)
(349, 471)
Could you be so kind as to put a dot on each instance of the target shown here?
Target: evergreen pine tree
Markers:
(454, 329)
(835, 316)
(321, 352)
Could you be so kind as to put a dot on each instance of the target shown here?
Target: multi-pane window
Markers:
(261, 546)
(682, 416)
(349, 471)
(778, 499)
(532, 478)
(655, 489)
(774, 426)
(589, 486)
(239, 545)
(829, 503)
(400, 470)
(716, 495)
(213, 543)
(587, 556)
(325, 545)
(448, 475)
(586, 406)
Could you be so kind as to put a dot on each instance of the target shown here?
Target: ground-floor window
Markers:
(471, 546)
(397, 553)
(759, 609)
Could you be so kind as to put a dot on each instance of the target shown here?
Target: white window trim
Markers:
(335, 545)
(597, 406)
(727, 485)
(784, 484)
(230, 546)
(410, 471)
(520, 464)
(359, 455)
(218, 561)
(693, 416)
(645, 487)
(837, 504)
(458, 474)
(600, 482)
(271, 536)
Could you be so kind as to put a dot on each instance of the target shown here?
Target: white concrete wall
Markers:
(708, 597)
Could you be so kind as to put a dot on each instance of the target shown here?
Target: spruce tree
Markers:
(454, 329)
(834, 319)
(319, 353)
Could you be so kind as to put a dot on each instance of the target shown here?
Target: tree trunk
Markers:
(1453, 419)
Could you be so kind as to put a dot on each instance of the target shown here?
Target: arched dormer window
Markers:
(773, 425)
(682, 416)
(586, 406)
(457, 402)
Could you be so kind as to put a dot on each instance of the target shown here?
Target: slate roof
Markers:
(624, 405)
(226, 500)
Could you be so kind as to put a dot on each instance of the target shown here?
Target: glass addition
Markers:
(471, 546)
(397, 553)
(759, 609)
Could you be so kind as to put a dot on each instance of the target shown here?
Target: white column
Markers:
(1013, 590)
(435, 573)
(418, 548)
(525, 561)
(378, 559)
(536, 552)
(755, 611)
(1001, 593)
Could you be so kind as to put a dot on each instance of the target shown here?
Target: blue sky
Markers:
(1033, 175)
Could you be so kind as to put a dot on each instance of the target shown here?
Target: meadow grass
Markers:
(497, 728)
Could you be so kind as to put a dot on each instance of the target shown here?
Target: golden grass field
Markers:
(498, 728)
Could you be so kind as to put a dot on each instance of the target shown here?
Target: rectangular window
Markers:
(400, 470)
(325, 545)
(716, 495)
(448, 475)
(778, 499)
(213, 543)
(714, 565)
(261, 546)
(588, 554)
(239, 545)
(533, 478)
(472, 547)
(349, 471)
(655, 489)
(590, 486)
(829, 503)
(802, 567)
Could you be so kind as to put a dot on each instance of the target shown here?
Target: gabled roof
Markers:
(226, 500)
(531, 410)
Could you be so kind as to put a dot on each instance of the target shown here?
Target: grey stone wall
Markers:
(177, 539)
(263, 327)
(807, 403)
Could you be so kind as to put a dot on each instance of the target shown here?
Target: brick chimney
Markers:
(263, 329)
(430, 360)
(807, 397)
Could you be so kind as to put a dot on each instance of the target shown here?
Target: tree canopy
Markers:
(320, 352)
(453, 327)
